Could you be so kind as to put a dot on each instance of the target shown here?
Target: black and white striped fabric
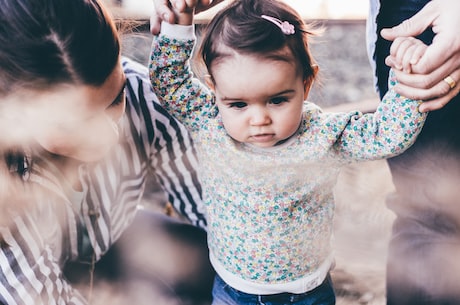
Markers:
(67, 225)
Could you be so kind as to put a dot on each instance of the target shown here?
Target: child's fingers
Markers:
(406, 58)
(406, 52)
(414, 49)
(419, 50)
(399, 50)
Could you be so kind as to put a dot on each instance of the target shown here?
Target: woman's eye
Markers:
(118, 100)
(238, 105)
(121, 97)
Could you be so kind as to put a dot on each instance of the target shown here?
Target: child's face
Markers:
(78, 121)
(260, 100)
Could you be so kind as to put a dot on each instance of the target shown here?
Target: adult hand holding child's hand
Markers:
(436, 76)
(166, 10)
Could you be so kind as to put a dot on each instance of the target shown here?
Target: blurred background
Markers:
(362, 222)
(345, 74)
(316, 9)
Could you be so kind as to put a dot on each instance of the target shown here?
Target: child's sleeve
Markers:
(183, 95)
(389, 131)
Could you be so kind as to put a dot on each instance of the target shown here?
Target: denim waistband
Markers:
(285, 297)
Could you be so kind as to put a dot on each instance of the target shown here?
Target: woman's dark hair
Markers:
(241, 28)
(48, 42)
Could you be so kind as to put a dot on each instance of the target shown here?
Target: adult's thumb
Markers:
(413, 26)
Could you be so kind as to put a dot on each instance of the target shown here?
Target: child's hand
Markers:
(184, 10)
(184, 6)
(170, 10)
(199, 5)
(405, 52)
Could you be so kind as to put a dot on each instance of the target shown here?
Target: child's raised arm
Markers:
(178, 90)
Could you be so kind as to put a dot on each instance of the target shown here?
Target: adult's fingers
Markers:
(442, 17)
(436, 95)
(206, 4)
(155, 24)
(162, 12)
(440, 102)
(423, 81)
(443, 49)
(414, 25)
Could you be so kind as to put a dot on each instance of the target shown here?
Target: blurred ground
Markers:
(362, 230)
(362, 222)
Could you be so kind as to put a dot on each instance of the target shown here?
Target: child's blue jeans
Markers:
(224, 294)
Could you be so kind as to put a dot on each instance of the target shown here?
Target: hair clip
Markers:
(286, 27)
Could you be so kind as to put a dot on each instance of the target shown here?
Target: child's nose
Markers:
(260, 117)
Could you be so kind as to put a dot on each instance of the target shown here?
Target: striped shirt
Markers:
(64, 224)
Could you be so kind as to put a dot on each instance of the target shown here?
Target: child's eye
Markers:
(238, 105)
(278, 100)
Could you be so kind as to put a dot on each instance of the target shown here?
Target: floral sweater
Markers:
(270, 211)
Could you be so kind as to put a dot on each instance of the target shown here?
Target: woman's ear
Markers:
(209, 81)
(308, 82)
